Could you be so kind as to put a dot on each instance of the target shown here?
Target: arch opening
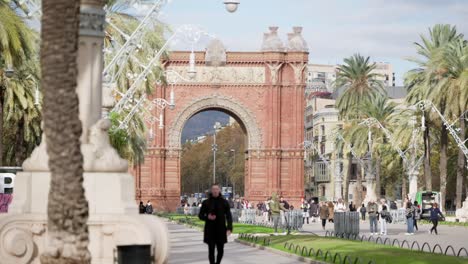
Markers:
(201, 165)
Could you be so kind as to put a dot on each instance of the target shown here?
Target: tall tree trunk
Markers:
(347, 177)
(460, 166)
(67, 208)
(404, 181)
(443, 164)
(359, 190)
(427, 157)
(378, 189)
(20, 148)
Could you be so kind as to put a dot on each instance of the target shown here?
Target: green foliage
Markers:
(359, 83)
(366, 251)
(197, 161)
(20, 118)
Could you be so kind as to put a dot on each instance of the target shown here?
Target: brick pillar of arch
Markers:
(269, 87)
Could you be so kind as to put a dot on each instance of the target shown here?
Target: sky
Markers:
(333, 29)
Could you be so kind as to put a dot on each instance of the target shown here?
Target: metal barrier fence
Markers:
(426, 247)
(346, 223)
(304, 251)
(290, 220)
(398, 216)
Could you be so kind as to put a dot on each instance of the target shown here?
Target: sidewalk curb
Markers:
(279, 252)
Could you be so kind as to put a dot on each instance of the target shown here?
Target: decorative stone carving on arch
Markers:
(254, 134)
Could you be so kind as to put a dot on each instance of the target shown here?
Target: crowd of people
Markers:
(378, 213)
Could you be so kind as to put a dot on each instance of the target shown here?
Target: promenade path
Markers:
(187, 247)
(456, 236)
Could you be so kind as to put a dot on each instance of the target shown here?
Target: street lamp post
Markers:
(216, 127)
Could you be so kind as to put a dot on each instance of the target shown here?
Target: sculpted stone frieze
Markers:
(226, 74)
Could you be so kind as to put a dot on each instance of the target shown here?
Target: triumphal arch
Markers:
(262, 90)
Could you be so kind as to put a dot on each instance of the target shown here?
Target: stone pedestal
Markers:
(462, 213)
(113, 219)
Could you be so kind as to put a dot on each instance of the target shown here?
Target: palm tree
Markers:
(434, 80)
(16, 45)
(131, 143)
(22, 115)
(454, 59)
(360, 86)
(67, 207)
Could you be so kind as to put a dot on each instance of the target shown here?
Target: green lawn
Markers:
(238, 227)
(381, 254)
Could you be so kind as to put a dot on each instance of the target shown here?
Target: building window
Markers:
(322, 148)
(323, 190)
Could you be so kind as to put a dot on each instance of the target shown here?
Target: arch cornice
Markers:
(227, 103)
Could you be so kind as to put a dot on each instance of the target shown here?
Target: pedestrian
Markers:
(372, 209)
(275, 208)
(149, 207)
(352, 207)
(142, 208)
(363, 211)
(265, 208)
(215, 212)
(187, 209)
(384, 219)
(417, 214)
(284, 202)
(331, 212)
(324, 213)
(305, 206)
(435, 212)
(409, 218)
(340, 206)
(313, 212)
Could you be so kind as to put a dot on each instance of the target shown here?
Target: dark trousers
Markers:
(324, 221)
(211, 252)
(415, 224)
(434, 226)
(363, 216)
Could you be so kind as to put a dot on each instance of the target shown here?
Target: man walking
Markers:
(372, 209)
(215, 212)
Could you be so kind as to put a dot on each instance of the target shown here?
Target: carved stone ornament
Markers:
(274, 69)
(296, 42)
(98, 155)
(271, 41)
(92, 21)
(215, 53)
(230, 104)
(298, 71)
(223, 75)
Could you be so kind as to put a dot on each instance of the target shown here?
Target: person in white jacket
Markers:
(340, 206)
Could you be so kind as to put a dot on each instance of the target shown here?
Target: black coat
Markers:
(215, 230)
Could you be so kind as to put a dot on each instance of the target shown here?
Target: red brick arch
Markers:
(265, 92)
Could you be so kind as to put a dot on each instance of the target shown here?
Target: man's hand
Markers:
(228, 233)
(212, 217)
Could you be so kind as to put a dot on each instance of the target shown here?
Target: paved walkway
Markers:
(187, 247)
(448, 235)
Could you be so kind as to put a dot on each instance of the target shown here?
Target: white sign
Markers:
(7, 180)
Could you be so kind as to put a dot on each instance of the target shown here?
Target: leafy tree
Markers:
(16, 46)
(360, 86)
(438, 80)
(197, 161)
